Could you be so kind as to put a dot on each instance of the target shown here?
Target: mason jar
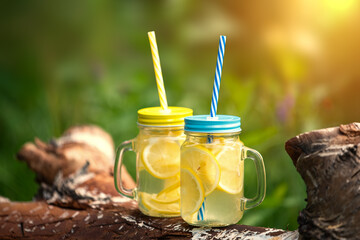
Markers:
(212, 172)
(157, 148)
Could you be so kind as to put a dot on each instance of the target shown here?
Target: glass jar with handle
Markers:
(157, 148)
(212, 172)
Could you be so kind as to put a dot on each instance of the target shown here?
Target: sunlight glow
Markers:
(339, 7)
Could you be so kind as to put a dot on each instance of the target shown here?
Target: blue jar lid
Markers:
(207, 124)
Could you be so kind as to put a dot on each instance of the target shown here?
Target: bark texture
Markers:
(77, 198)
(329, 162)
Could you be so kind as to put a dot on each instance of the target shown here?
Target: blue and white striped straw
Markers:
(219, 65)
(214, 102)
(201, 212)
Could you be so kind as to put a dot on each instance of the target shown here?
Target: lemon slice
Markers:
(215, 148)
(161, 157)
(161, 208)
(168, 195)
(192, 192)
(204, 164)
(232, 169)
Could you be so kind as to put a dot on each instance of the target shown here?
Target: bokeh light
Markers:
(289, 67)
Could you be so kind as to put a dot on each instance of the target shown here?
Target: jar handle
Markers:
(123, 147)
(254, 155)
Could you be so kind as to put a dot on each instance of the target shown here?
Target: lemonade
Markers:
(217, 170)
(212, 172)
(158, 168)
(157, 148)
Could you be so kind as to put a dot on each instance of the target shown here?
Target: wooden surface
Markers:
(77, 199)
(329, 162)
(122, 220)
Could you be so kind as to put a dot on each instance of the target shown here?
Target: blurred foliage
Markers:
(290, 67)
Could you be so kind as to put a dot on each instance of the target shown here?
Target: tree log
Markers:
(77, 198)
(329, 162)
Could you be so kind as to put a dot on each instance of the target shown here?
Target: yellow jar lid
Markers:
(156, 116)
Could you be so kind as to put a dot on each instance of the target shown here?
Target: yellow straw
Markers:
(157, 69)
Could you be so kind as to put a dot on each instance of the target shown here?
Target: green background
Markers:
(289, 67)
